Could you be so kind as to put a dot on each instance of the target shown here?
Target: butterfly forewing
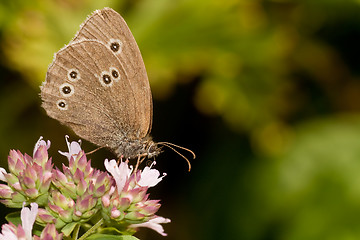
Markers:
(108, 27)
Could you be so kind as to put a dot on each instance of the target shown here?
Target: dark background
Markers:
(266, 93)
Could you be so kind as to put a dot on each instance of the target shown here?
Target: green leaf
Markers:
(42, 200)
(111, 237)
(14, 218)
(37, 229)
(117, 231)
(68, 229)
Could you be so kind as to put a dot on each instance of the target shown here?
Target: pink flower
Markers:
(41, 142)
(73, 147)
(28, 217)
(2, 174)
(23, 231)
(49, 233)
(154, 224)
(150, 177)
(130, 203)
(76, 194)
(29, 178)
(120, 173)
(8, 232)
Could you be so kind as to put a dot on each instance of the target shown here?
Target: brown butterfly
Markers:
(98, 86)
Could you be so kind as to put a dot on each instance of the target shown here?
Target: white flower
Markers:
(154, 224)
(2, 174)
(73, 147)
(150, 177)
(8, 232)
(41, 142)
(120, 173)
(28, 217)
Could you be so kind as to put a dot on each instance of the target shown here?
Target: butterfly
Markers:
(98, 86)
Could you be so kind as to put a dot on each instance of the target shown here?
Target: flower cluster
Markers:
(77, 198)
(24, 231)
(29, 178)
(129, 202)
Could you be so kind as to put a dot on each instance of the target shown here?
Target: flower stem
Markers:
(92, 229)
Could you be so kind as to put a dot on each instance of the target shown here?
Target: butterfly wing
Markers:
(108, 27)
(90, 90)
(98, 84)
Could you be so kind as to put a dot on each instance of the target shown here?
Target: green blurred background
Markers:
(267, 93)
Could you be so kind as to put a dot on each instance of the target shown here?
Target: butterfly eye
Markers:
(61, 104)
(66, 89)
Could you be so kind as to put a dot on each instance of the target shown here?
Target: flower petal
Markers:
(73, 147)
(150, 177)
(8, 232)
(2, 174)
(41, 142)
(28, 218)
(120, 173)
(154, 224)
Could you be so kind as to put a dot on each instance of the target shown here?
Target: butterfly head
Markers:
(133, 149)
(152, 149)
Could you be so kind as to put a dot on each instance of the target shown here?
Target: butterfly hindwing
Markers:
(100, 99)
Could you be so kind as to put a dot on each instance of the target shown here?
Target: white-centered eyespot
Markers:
(115, 74)
(61, 104)
(73, 75)
(115, 45)
(105, 79)
(66, 89)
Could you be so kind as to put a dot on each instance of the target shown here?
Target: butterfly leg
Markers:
(91, 152)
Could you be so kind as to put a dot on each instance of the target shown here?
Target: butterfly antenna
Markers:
(171, 145)
(91, 152)
(174, 145)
